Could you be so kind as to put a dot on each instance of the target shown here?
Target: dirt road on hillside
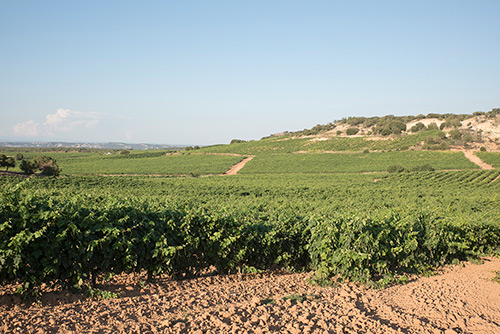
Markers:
(236, 168)
(462, 299)
(475, 159)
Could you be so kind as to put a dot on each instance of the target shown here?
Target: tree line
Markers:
(44, 165)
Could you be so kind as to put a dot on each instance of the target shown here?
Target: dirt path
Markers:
(475, 159)
(463, 299)
(236, 168)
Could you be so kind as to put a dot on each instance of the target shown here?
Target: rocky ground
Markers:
(460, 299)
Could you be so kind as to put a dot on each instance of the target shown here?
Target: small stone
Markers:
(255, 301)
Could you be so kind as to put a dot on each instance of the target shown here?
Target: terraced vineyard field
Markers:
(357, 162)
(492, 158)
(287, 144)
(142, 163)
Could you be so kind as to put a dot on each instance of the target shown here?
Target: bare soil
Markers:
(475, 159)
(461, 299)
(236, 168)
(425, 121)
(19, 174)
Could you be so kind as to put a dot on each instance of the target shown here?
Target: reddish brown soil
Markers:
(475, 159)
(462, 299)
(236, 168)
(2, 173)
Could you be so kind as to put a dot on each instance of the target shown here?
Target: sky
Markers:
(206, 72)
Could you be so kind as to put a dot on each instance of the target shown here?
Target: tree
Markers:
(7, 162)
(46, 165)
(28, 166)
(390, 126)
(10, 162)
(397, 127)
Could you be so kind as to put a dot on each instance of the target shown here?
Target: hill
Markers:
(478, 131)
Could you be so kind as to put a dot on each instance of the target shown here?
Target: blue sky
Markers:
(205, 72)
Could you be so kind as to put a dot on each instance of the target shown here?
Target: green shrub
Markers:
(432, 126)
(468, 138)
(455, 134)
(396, 169)
(436, 143)
(352, 131)
(418, 127)
(444, 146)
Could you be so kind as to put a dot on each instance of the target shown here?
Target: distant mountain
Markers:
(119, 146)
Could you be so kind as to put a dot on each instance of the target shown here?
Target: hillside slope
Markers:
(480, 131)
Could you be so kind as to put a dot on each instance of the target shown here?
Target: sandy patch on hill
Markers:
(490, 127)
(425, 121)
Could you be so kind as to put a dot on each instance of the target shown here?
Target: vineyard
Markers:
(373, 228)
(356, 162)
(142, 163)
(492, 158)
(289, 144)
(209, 163)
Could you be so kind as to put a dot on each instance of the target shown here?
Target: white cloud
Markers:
(28, 129)
(64, 120)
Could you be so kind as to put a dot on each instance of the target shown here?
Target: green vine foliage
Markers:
(378, 251)
(67, 233)
(75, 240)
